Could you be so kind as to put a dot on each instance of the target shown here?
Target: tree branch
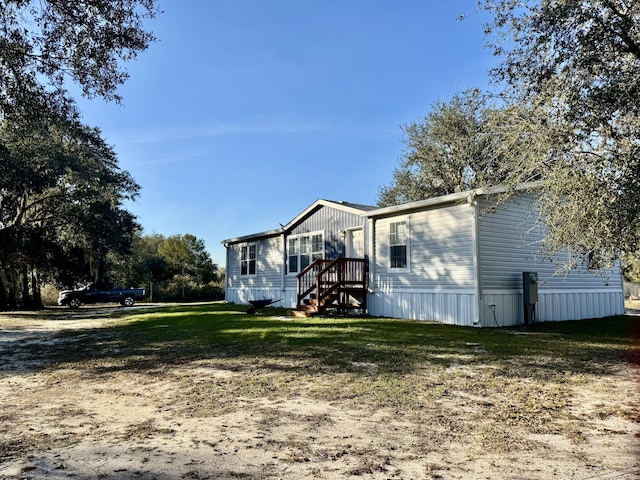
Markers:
(632, 46)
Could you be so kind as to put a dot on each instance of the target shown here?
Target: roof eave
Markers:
(321, 203)
(253, 236)
(467, 195)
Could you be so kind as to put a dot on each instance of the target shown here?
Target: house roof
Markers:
(467, 195)
(355, 206)
(253, 236)
(419, 205)
(375, 212)
(340, 205)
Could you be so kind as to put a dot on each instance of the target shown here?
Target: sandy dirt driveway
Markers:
(217, 420)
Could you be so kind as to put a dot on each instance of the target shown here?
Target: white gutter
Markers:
(284, 262)
(253, 236)
(468, 195)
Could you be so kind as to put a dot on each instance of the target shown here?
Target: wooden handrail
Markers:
(306, 279)
(329, 277)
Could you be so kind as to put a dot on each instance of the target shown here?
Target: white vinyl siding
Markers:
(329, 222)
(268, 257)
(459, 268)
(510, 237)
(503, 309)
(440, 251)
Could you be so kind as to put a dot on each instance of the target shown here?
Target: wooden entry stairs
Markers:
(332, 286)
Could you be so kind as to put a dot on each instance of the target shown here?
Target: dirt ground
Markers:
(123, 424)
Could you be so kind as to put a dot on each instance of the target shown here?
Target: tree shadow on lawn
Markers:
(85, 312)
(156, 339)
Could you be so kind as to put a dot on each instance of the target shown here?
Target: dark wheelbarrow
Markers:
(258, 304)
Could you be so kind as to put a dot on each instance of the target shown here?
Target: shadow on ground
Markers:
(155, 338)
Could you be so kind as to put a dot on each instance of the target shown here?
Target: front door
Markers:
(354, 243)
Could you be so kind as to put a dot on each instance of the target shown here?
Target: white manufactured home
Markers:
(456, 259)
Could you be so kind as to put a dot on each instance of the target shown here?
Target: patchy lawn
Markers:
(206, 391)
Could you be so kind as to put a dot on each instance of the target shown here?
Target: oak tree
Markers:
(45, 44)
(61, 189)
(61, 203)
(450, 150)
(572, 68)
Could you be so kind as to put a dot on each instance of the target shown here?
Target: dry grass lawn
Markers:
(208, 392)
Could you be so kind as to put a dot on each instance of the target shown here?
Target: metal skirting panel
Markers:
(459, 308)
(242, 296)
(551, 307)
(445, 307)
(578, 306)
(501, 310)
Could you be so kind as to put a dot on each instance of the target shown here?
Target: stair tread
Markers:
(342, 288)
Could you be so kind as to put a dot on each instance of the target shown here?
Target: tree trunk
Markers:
(12, 304)
(36, 299)
(26, 303)
(11, 277)
(4, 304)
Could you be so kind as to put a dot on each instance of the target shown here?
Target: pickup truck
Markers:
(93, 293)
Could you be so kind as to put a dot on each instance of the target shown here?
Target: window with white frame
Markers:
(293, 253)
(303, 250)
(317, 247)
(248, 259)
(398, 244)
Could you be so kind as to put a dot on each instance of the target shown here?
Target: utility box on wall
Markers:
(530, 287)
(529, 296)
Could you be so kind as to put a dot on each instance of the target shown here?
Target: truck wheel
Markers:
(127, 301)
(73, 302)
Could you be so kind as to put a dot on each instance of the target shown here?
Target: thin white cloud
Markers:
(217, 129)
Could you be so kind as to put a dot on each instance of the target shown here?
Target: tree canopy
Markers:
(61, 199)
(572, 72)
(568, 114)
(450, 150)
(61, 189)
(177, 267)
(44, 44)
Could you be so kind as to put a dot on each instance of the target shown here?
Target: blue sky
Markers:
(247, 111)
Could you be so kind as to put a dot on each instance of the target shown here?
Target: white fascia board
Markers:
(414, 206)
(253, 236)
(301, 216)
(468, 195)
(321, 203)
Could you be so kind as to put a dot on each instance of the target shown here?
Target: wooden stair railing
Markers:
(339, 284)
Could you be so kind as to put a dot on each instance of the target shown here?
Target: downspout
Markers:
(283, 284)
(366, 243)
(371, 250)
(473, 202)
